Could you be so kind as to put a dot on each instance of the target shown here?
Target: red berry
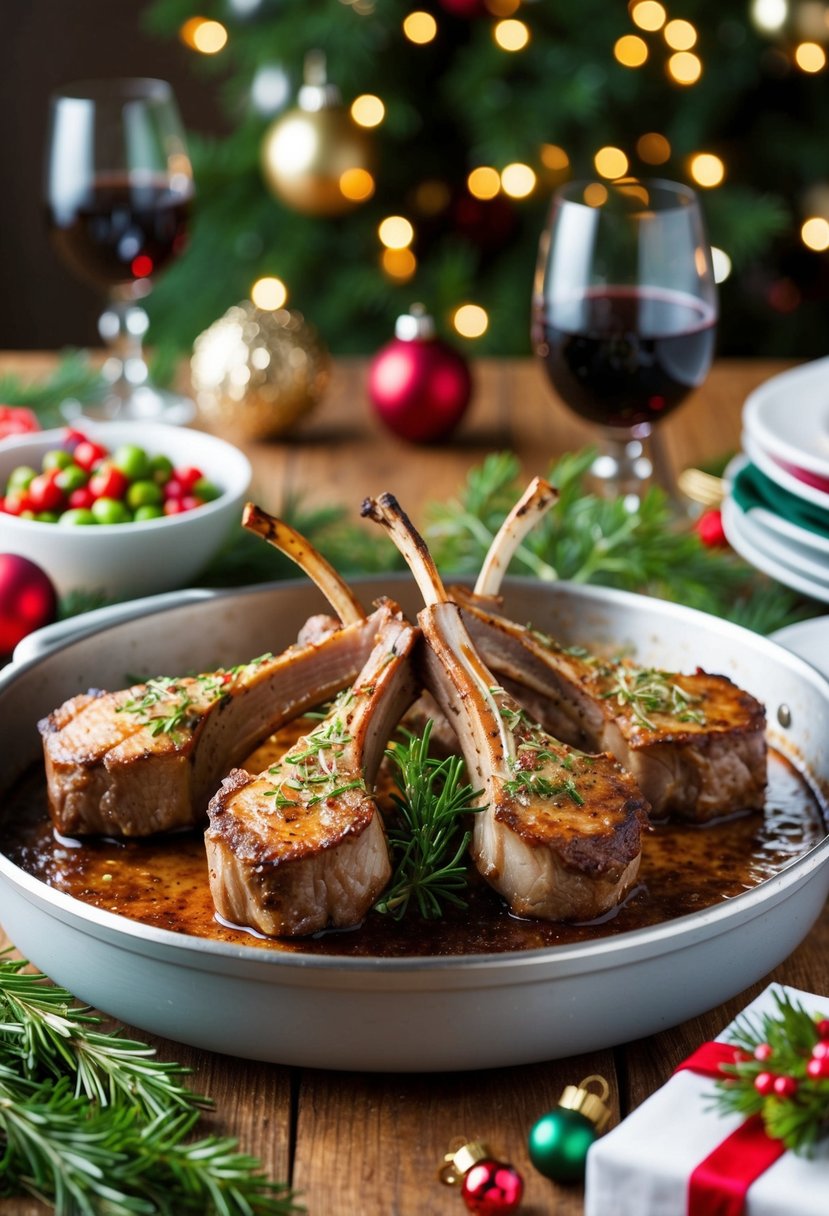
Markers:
(173, 506)
(81, 498)
(186, 475)
(189, 502)
(17, 420)
(818, 1070)
(764, 1082)
(87, 454)
(174, 489)
(820, 1051)
(822, 1028)
(710, 529)
(44, 494)
(785, 1087)
(763, 1050)
(108, 482)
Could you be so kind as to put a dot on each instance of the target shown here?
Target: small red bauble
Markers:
(418, 384)
(467, 9)
(491, 1188)
(818, 1070)
(762, 1051)
(28, 600)
(785, 1087)
(820, 1051)
(764, 1082)
(710, 530)
(822, 1028)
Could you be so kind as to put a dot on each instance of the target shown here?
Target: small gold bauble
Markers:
(315, 157)
(306, 155)
(256, 372)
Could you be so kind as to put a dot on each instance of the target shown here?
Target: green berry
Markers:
(57, 458)
(133, 461)
(150, 511)
(20, 478)
(206, 490)
(144, 494)
(71, 477)
(47, 517)
(77, 516)
(161, 469)
(110, 511)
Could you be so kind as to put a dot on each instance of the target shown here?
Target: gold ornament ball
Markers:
(305, 154)
(256, 372)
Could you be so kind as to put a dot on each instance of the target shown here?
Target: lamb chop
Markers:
(695, 744)
(147, 759)
(301, 846)
(560, 835)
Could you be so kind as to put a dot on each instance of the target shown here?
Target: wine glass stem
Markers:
(624, 467)
(122, 328)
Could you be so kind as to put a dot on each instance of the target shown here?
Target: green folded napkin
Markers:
(751, 488)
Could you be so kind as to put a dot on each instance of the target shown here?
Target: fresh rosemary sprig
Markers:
(783, 1075)
(429, 844)
(93, 1123)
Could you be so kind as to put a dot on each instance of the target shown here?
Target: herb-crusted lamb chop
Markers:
(560, 837)
(148, 758)
(694, 743)
(301, 847)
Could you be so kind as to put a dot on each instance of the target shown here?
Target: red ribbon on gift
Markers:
(719, 1184)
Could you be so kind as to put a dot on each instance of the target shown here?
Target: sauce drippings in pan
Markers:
(163, 881)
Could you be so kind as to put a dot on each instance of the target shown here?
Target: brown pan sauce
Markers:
(162, 881)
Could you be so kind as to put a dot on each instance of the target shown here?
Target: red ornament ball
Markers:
(785, 1087)
(28, 600)
(763, 1051)
(817, 1069)
(419, 385)
(491, 1188)
(820, 1051)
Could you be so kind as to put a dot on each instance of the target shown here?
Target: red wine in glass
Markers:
(119, 189)
(120, 230)
(625, 356)
(624, 314)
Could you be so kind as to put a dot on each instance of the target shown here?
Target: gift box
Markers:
(644, 1166)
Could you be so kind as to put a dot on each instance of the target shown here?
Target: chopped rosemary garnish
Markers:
(429, 844)
(93, 1123)
(539, 786)
(648, 691)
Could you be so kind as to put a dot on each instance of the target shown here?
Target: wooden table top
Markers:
(371, 1145)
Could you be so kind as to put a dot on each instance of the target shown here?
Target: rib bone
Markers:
(560, 836)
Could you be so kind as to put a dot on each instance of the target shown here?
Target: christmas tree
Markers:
(456, 120)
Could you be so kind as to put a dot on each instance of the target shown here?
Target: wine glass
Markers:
(624, 316)
(119, 188)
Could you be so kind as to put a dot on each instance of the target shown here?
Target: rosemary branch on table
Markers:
(93, 1123)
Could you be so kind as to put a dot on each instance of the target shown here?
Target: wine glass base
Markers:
(142, 404)
(623, 469)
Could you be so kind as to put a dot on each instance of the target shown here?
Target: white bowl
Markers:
(125, 560)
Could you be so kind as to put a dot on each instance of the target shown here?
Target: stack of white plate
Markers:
(786, 440)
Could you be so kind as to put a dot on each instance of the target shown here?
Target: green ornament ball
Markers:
(558, 1144)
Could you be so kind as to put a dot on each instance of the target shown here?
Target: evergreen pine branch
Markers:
(73, 378)
(40, 1024)
(785, 1041)
(429, 843)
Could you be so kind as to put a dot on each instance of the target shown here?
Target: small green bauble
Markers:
(559, 1141)
(558, 1144)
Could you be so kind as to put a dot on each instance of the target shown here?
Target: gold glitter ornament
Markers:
(255, 372)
